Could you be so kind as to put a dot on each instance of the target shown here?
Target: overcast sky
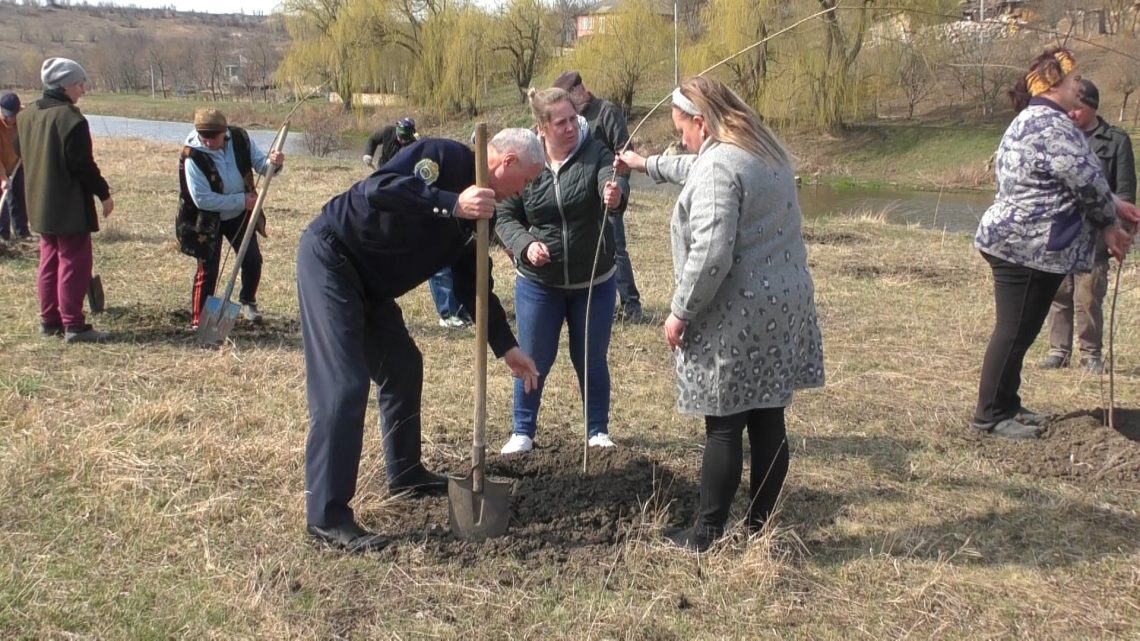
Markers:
(232, 6)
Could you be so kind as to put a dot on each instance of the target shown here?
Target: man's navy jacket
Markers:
(398, 228)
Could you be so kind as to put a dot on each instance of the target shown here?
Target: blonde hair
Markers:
(542, 100)
(731, 120)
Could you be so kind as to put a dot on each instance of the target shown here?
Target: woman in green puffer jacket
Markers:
(552, 231)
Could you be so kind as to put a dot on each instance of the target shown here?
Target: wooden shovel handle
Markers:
(482, 276)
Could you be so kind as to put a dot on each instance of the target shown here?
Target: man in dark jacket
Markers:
(607, 124)
(370, 245)
(389, 140)
(60, 179)
(1081, 296)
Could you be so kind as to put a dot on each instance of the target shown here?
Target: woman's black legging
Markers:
(724, 462)
(1022, 298)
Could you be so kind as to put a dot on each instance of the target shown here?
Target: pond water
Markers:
(952, 211)
(957, 211)
(175, 132)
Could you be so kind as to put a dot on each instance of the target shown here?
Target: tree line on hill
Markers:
(445, 55)
(837, 62)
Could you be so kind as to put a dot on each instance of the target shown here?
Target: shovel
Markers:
(95, 297)
(220, 314)
(4, 198)
(478, 507)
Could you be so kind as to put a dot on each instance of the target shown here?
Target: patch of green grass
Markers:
(25, 386)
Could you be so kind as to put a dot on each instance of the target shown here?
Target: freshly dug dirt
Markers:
(1078, 447)
(557, 512)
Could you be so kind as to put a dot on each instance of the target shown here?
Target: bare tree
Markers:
(157, 57)
(916, 78)
(262, 59)
(182, 65)
(120, 62)
(1125, 78)
(211, 66)
(1114, 11)
(524, 35)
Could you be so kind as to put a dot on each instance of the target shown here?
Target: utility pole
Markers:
(676, 48)
(982, 11)
(152, 81)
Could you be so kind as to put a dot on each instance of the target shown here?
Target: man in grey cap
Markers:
(61, 178)
(12, 211)
(1081, 296)
(607, 124)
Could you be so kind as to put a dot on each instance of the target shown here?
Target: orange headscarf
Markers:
(1039, 82)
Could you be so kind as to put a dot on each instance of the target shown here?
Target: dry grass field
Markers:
(151, 489)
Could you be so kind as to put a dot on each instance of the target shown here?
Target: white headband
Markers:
(684, 104)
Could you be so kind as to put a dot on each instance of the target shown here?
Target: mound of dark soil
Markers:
(1080, 448)
(557, 512)
(136, 322)
(827, 236)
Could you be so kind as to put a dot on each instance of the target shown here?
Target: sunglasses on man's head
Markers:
(210, 134)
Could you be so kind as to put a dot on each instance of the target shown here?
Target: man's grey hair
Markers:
(523, 142)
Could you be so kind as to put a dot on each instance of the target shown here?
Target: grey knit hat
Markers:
(58, 73)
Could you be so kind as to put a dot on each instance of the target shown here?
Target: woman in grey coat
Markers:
(743, 324)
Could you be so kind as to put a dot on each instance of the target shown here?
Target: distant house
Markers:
(972, 9)
(593, 21)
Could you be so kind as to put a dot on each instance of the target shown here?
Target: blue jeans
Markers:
(442, 286)
(626, 288)
(13, 211)
(540, 311)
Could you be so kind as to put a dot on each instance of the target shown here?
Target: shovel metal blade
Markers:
(218, 319)
(95, 295)
(475, 517)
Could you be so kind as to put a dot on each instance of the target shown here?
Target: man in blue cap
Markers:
(12, 211)
(390, 140)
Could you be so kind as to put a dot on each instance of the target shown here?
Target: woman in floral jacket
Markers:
(1052, 200)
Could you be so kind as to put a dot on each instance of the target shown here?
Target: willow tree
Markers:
(337, 43)
(525, 34)
(831, 63)
(453, 60)
(733, 25)
(634, 45)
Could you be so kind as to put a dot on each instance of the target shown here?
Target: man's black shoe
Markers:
(423, 483)
(348, 536)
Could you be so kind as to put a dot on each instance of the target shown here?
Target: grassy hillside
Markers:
(30, 34)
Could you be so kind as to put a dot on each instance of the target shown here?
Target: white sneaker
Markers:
(452, 322)
(601, 440)
(518, 444)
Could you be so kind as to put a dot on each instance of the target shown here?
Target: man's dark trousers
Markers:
(14, 213)
(350, 342)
